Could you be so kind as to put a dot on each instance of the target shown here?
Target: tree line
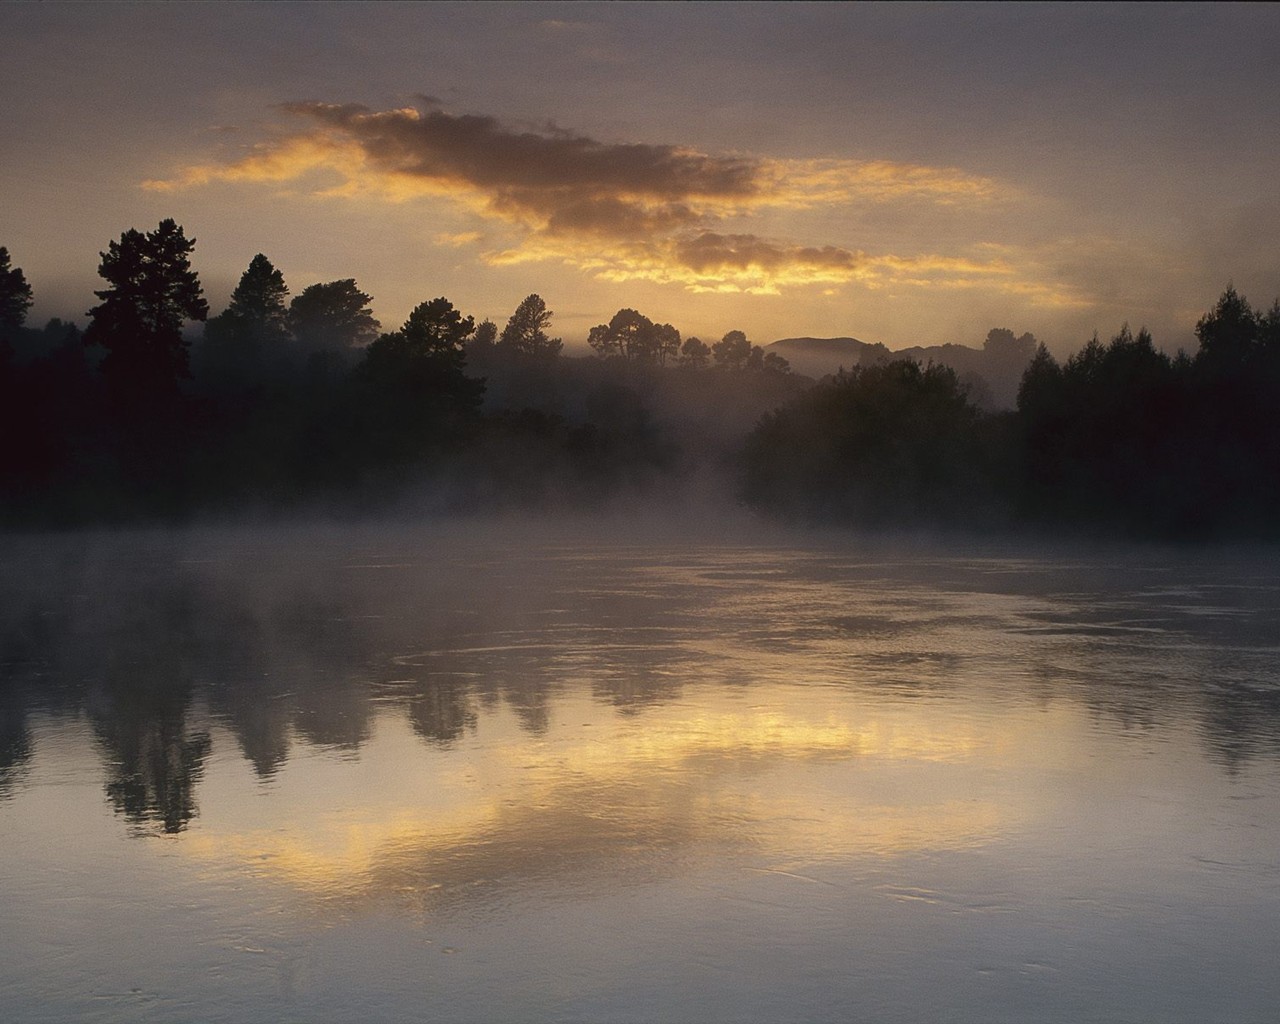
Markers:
(1119, 438)
(285, 400)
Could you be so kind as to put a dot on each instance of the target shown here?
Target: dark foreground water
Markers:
(506, 773)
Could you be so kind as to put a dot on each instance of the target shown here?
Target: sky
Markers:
(904, 174)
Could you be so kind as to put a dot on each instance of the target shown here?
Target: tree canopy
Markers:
(15, 295)
(433, 335)
(257, 305)
(889, 442)
(153, 292)
(255, 322)
(695, 353)
(418, 397)
(526, 331)
(732, 351)
(1119, 436)
(333, 315)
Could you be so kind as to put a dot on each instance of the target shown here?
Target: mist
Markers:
(621, 512)
(286, 405)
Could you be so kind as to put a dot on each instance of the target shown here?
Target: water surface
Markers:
(522, 773)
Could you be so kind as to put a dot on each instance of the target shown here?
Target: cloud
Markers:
(556, 180)
(815, 182)
(747, 263)
(459, 239)
(553, 181)
(565, 25)
(624, 211)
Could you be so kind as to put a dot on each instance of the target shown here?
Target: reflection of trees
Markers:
(1241, 723)
(140, 704)
(333, 713)
(15, 741)
(441, 710)
(317, 649)
(153, 765)
(258, 720)
(631, 689)
(284, 663)
(527, 694)
(280, 653)
(1148, 661)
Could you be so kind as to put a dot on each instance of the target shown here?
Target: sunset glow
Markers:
(905, 177)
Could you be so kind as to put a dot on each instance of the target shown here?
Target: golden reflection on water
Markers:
(706, 783)
(599, 797)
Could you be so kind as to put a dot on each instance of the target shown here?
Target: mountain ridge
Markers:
(992, 372)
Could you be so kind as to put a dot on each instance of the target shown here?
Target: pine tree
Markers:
(257, 305)
(526, 331)
(418, 399)
(255, 322)
(152, 292)
(15, 295)
(333, 316)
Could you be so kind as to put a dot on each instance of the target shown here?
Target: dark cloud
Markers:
(557, 177)
(624, 211)
(709, 253)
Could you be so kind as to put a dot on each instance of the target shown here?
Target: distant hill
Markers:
(992, 372)
(817, 357)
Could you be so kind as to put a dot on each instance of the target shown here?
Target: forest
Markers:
(284, 404)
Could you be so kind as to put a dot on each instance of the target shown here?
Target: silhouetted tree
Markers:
(333, 316)
(152, 292)
(1041, 387)
(15, 300)
(484, 337)
(628, 334)
(431, 341)
(1236, 386)
(257, 304)
(482, 348)
(600, 341)
(635, 338)
(1001, 344)
(419, 396)
(1228, 332)
(774, 363)
(1108, 437)
(1269, 329)
(49, 409)
(732, 351)
(695, 353)
(255, 321)
(666, 343)
(15, 296)
(526, 331)
(882, 443)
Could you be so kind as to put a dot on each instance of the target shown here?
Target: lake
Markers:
(631, 771)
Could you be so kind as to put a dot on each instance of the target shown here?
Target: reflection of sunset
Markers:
(445, 774)
(601, 793)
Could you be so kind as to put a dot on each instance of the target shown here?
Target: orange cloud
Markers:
(459, 239)
(557, 181)
(746, 263)
(804, 183)
(624, 211)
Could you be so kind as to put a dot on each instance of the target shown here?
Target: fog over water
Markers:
(630, 768)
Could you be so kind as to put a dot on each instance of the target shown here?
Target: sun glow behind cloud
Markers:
(624, 212)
